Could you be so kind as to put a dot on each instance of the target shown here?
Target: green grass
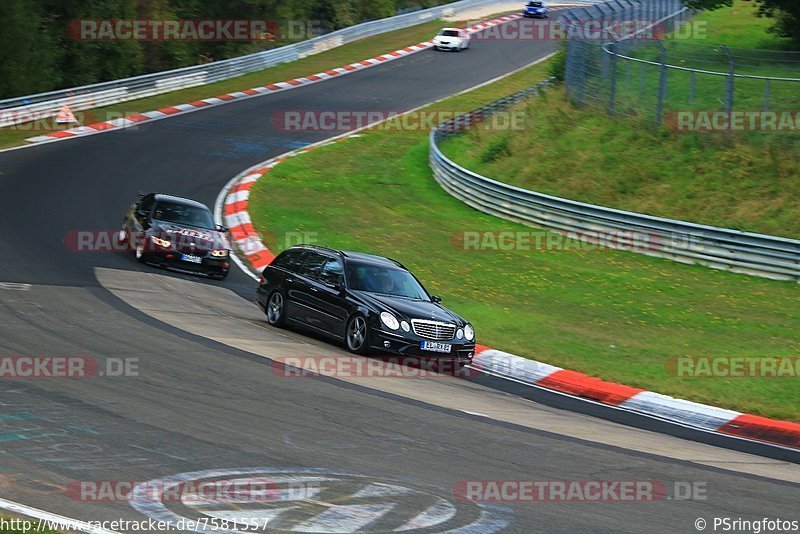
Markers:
(739, 26)
(336, 57)
(619, 316)
(706, 178)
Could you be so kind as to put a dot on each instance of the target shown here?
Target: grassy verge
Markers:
(738, 26)
(336, 57)
(747, 181)
(615, 315)
(707, 178)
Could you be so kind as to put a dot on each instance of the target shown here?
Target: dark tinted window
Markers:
(450, 33)
(146, 204)
(312, 262)
(183, 214)
(331, 272)
(385, 280)
(291, 260)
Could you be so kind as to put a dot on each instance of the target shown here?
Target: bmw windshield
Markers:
(173, 212)
(384, 280)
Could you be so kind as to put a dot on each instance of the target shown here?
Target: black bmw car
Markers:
(370, 302)
(176, 233)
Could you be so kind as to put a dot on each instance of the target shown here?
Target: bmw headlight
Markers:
(219, 253)
(390, 321)
(160, 242)
(469, 332)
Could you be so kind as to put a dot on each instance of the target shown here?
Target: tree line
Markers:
(39, 52)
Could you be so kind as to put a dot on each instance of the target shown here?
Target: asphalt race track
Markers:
(207, 405)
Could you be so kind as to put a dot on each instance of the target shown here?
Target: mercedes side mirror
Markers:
(436, 299)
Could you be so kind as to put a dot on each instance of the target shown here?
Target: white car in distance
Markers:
(451, 39)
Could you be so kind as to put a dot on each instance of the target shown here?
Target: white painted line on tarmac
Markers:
(15, 286)
(476, 413)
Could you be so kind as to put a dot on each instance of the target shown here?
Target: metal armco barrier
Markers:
(720, 248)
(26, 108)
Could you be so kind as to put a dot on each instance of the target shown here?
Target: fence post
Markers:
(662, 84)
(576, 64)
(628, 76)
(692, 76)
(641, 81)
(766, 94)
(612, 47)
(729, 79)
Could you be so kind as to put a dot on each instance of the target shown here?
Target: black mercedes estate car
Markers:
(176, 233)
(370, 302)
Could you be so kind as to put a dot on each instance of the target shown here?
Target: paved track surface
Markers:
(202, 403)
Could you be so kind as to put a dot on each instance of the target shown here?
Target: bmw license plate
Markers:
(191, 258)
(435, 346)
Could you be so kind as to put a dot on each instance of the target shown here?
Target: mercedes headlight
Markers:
(390, 321)
(469, 332)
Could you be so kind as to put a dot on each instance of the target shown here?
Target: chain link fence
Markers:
(656, 73)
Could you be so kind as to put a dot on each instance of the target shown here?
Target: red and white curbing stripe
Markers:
(233, 211)
(139, 118)
(637, 400)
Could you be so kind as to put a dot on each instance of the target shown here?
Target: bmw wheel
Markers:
(356, 334)
(140, 252)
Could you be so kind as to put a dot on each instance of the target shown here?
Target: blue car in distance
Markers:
(536, 9)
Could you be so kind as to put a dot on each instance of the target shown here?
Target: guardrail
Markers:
(720, 248)
(39, 106)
